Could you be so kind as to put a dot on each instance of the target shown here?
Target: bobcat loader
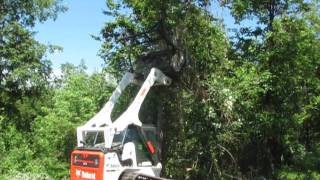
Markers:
(123, 149)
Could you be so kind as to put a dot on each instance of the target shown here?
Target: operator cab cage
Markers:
(145, 138)
(101, 132)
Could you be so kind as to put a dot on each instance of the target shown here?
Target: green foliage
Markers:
(14, 175)
(17, 150)
(24, 79)
(27, 13)
(24, 69)
(160, 32)
(24, 72)
(77, 100)
(285, 59)
(265, 10)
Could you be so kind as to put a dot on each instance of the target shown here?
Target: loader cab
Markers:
(134, 147)
(146, 144)
(93, 139)
(131, 133)
(145, 141)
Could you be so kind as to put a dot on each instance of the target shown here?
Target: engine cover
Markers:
(87, 165)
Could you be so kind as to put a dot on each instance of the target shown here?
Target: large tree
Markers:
(282, 48)
(24, 69)
(187, 43)
(230, 112)
(24, 76)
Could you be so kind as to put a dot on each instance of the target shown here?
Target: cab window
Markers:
(142, 153)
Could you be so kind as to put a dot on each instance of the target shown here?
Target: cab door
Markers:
(144, 141)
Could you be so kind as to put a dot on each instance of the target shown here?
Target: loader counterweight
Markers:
(87, 165)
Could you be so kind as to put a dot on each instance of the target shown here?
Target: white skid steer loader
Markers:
(123, 149)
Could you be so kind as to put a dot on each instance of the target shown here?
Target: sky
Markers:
(72, 30)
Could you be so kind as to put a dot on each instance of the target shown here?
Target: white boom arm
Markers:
(102, 120)
(130, 116)
(103, 117)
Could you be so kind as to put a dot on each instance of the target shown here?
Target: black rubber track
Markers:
(131, 175)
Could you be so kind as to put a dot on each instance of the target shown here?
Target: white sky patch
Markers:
(110, 79)
(56, 73)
